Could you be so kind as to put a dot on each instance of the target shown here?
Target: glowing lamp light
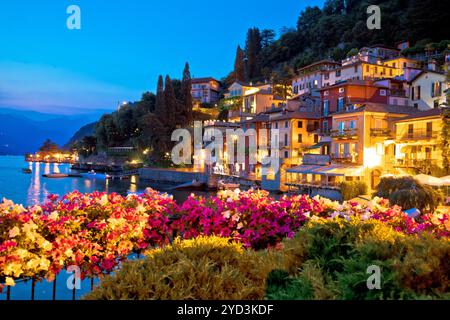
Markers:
(371, 158)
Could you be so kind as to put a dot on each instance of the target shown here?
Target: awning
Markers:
(319, 145)
(304, 169)
(429, 180)
(333, 170)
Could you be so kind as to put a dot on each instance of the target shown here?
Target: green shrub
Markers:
(206, 268)
(409, 193)
(352, 189)
(331, 258)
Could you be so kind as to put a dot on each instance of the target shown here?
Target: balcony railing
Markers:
(414, 163)
(344, 134)
(343, 158)
(399, 93)
(380, 132)
(419, 135)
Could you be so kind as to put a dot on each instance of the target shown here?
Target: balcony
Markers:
(380, 132)
(312, 128)
(419, 135)
(316, 159)
(415, 163)
(344, 134)
(398, 93)
(344, 158)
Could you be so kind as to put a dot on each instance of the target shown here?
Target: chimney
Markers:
(432, 65)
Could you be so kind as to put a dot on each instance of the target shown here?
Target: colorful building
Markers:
(427, 90)
(205, 90)
(418, 141)
(336, 98)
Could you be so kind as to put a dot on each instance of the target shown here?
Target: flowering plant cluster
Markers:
(97, 231)
(92, 231)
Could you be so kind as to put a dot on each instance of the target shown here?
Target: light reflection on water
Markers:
(30, 189)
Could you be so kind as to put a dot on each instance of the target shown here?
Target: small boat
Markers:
(193, 185)
(55, 175)
(227, 186)
(27, 170)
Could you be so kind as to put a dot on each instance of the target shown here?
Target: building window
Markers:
(326, 108)
(410, 130)
(378, 124)
(300, 138)
(326, 93)
(341, 126)
(286, 154)
(285, 139)
(382, 92)
(286, 124)
(326, 76)
(340, 104)
(416, 105)
(300, 124)
(356, 68)
(352, 124)
(367, 69)
(316, 138)
(436, 104)
(325, 126)
(338, 73)
(276, 125)
(429, 129)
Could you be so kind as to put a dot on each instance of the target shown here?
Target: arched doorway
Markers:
(375, 178)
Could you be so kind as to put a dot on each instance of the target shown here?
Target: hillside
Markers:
(87, 130)
(335, 29)
(24, 131)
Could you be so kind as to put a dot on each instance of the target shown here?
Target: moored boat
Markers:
(55, 175)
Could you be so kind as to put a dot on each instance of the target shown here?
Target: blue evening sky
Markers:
(121, 48)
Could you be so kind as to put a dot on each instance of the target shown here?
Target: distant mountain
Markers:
(87, 130)
(25, 131)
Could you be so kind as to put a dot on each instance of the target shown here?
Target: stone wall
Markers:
(170, 176)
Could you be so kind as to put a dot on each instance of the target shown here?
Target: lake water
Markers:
(30, 189)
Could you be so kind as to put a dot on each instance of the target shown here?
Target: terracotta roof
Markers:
(297, 115)
(354, 83)
(257, 118)
(319, 63)
(423, 72)
(379, 107)
(277, 109)
(206, 79)
(423, 114)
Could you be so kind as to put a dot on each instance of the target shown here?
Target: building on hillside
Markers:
(213, 162)
(362, 148)
(427, 90)
(418, 141)
(364, 136)
(336, 98)
(310, 78)
(398, 93)
(239, 89)
(256, 101)
(205, 90)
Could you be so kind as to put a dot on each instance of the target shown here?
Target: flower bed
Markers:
(97, 231)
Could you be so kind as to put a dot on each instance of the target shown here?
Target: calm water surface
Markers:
(30, 189)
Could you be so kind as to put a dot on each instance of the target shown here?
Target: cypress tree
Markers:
(186, 93)
(171, 105)
(160, 103)
(239, 67)
(253, 48)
